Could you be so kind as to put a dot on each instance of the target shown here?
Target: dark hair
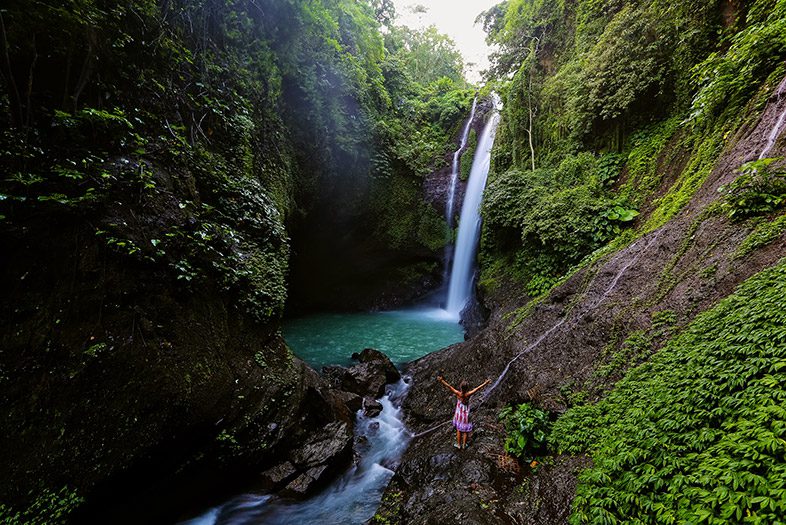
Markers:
(463, 387)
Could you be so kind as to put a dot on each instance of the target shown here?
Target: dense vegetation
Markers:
(163, 155)
(615, 114)
(696, 435)
(275, 108)
(596, 93)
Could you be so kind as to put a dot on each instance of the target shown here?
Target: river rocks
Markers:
(277, 475)
(367, 378)
(354, 402)
(302, 485)
(371, 407)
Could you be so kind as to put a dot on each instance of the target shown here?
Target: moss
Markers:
(389, 512)
(647, 147)
(763, 234)
(48, 508)
(690, 180)
(469, 155)
(399, 211)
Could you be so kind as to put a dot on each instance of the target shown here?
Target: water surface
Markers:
(403, 335)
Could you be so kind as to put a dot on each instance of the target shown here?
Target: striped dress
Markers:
(461, 417)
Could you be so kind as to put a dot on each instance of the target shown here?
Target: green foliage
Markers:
(759, 189)
(551, 218)
(608, 224)
(727, 78)
(626, 65)
(763, 234)
(48, 508)
(633, 349)
(403, 219)
(646, 147)
(609, 168)
(469, 155)
(707, 148)
(427, 54)
(695, 434)
(526, 427)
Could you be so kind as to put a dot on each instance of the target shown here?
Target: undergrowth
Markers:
(763, 234)
(695, 435)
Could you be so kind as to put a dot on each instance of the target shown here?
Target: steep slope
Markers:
(572, 342)
(611, 223)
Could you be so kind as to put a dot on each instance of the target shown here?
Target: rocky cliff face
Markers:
(131, 377)
(436, 184)
(545, 352)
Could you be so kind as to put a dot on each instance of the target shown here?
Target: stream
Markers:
(404, 335)
(325, 339)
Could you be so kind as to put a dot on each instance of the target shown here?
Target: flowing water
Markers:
(352, 500)
(451, 196)
(460, 287)
(454, 172)
(331, 339)
(778, 127)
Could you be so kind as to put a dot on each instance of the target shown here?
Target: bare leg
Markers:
(464, 439)
(458, 438)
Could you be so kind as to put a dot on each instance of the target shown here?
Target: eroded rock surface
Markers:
(544, 353)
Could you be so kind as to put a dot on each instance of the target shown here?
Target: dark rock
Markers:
(353, 401)
(367, 378)
(380, 361)
(334, 440)
(301, 486)
(371, 407)
(273, 477)
(474, 318)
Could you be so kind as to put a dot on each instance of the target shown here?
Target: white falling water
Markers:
(451, 197)
(454, 173)
(776, 130)
(460, 288)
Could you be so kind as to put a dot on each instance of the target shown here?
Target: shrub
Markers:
(758, 190)
(527, 428)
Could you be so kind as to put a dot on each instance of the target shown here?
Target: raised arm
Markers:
(486, 382)
(442, 380)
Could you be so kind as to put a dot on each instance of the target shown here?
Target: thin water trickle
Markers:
(778, 127)
(454, 172)
(612, 285)
(460, 284)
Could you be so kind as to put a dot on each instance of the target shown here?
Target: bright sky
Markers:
(455, 18)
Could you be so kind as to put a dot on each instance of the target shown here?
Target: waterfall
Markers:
(460, 287)
(454, 175)
(777, 128)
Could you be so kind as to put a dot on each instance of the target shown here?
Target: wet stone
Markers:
(371, 407)
(276, 475)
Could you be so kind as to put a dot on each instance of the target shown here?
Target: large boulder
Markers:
(367, 378)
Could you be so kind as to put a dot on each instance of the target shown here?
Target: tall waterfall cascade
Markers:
(454, 172)
(460, 284)
(451, 197)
